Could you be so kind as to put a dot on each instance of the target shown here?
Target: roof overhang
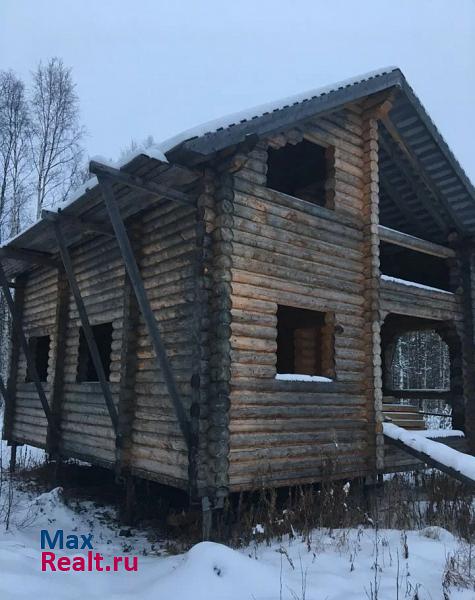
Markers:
(86, 213)
(416, 133)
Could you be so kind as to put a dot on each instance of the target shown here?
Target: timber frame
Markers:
(187, 256)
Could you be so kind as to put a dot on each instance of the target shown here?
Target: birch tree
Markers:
(56, 133)
(15, 168)
(15, 165)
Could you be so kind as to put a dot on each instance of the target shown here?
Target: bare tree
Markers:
(15, 169)
(55, 133)
(14, 152)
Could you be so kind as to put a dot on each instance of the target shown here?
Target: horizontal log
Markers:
(272, 453)
(291, 438)
(250, 285)
(297, 424)
(405, 240)
(245, 244)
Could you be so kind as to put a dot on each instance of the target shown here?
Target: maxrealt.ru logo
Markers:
(90, 561)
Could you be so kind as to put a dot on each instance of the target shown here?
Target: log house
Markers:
(221, 314)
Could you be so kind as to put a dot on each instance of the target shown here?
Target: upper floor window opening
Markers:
(300, 170)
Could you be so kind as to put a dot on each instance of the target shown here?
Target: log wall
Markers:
(215, 277)
(86, 428)
(167, 258)
(414, 301)
(39, 310)
(169, 244)
(291, 252)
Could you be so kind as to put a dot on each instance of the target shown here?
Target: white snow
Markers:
(302, 377)
(150, 150)
(78, 192)
(262, 109)
(440, 433)
(413, 284)
(340, 564)
(463, 463)
(258, 529)
(158, 150)
(336, 565)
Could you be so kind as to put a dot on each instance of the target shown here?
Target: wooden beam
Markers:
(3, 391)
(416, 186)
(18, 330)
(409, 214)
(413, 159)
(128, 370)
(86, 326)
(398, 238)
(81, 224)
(29, 256)
(9, 412)
(432, 462)
(419, 394)
(139, 183)
(144, 304)
(60, 332)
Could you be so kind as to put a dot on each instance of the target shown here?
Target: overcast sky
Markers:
(155, 67)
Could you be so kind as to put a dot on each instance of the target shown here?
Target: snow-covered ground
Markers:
(335, 565)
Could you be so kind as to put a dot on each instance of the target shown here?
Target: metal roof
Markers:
(407, 201)
(414, 125)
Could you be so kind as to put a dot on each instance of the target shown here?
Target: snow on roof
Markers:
(150, 151)
(262, 109)
(159, 150)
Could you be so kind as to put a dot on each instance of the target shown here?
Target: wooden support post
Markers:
(130, 501)
(9, 411)
(3, 390)
(18, 330)
(86, 326)
(62, 307)
(128, 370)
(144, 304)
(13, 449)
(207, 518)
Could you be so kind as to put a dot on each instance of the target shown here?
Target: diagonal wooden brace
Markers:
(3, 390)
(18, 330)
(91, 342)
(144, 304)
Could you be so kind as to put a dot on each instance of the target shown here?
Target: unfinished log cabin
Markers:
(221, 312)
